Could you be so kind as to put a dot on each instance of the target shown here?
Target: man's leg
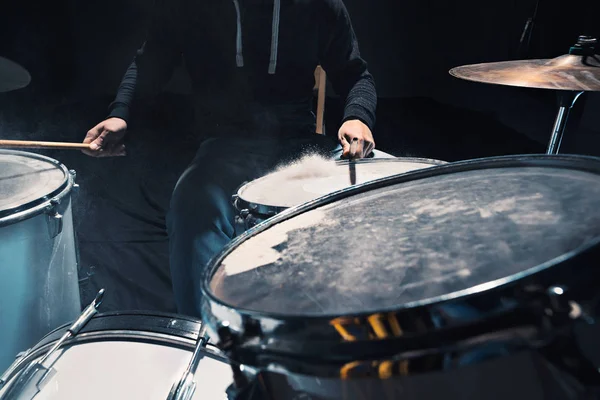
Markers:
(200, 221)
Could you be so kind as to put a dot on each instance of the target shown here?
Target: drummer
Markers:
(252, 66)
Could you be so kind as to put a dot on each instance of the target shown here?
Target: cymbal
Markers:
(567, 72)
(12, 76)
(579, 70)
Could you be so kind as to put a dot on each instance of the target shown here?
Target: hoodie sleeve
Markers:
(152, 66)
(340, 58)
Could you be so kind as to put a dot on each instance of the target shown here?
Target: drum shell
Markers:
(39, 288)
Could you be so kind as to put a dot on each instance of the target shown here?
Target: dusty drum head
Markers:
(399, 249)
(28, 180)
(314, 177)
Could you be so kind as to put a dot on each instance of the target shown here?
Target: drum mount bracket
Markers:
(559, 314)
(55, 218)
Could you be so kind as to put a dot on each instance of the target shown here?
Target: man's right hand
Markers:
(106, 138)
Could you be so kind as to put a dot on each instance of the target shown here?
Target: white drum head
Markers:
(122, 370)
(27, 178)
(313, 177)
(127, 357)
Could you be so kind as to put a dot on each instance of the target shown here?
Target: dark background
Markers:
(77, 52)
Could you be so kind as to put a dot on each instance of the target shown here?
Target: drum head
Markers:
(313, 177)
(414, 239)
(27, 179)
(128, 356)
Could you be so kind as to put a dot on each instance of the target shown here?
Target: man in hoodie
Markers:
(252, 66)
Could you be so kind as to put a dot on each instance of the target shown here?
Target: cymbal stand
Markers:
(585, 46)
(566, 101)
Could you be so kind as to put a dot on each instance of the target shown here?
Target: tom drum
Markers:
(311, 178)
(39, 288)
(462, 281)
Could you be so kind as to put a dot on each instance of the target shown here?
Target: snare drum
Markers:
(39, 288)
(302, 182)
(133, 356)
(460, 281)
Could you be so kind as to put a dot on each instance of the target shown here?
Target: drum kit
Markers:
(393, 278)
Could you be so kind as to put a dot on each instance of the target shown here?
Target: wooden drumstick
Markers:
(353, 145)
(321, 76)
(28, 144)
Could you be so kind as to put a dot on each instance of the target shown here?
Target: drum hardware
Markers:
(185, 387)
(55, 219)
(243, 386)
(31, 380)
(528, 30)
(74, 176)
(570, 75)
(566, 102)
(246, 217)
(560, 313)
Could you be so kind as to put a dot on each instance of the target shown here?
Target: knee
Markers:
(199, 204)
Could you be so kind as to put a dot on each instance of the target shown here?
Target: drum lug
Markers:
(240, 222)
(7, 375)
(74, 175)
(55, 219)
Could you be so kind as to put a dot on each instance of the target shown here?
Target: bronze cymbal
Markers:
(12, 76)
(567, 72)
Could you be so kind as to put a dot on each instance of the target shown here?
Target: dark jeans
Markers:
(201, 220)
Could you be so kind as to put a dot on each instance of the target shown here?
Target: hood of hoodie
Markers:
(274, 31)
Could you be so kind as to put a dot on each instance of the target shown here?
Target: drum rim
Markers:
(215, 310)
(130, 330)
(127, 319)
(37, 206)
(266, 210)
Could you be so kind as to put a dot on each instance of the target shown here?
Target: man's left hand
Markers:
(356, 139)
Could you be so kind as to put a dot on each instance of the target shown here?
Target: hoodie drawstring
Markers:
(275, 36)
(239, 56)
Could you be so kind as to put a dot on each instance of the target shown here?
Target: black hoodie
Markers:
(252, 63)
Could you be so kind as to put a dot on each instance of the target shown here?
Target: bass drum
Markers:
(39, 288)
(128, 356)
